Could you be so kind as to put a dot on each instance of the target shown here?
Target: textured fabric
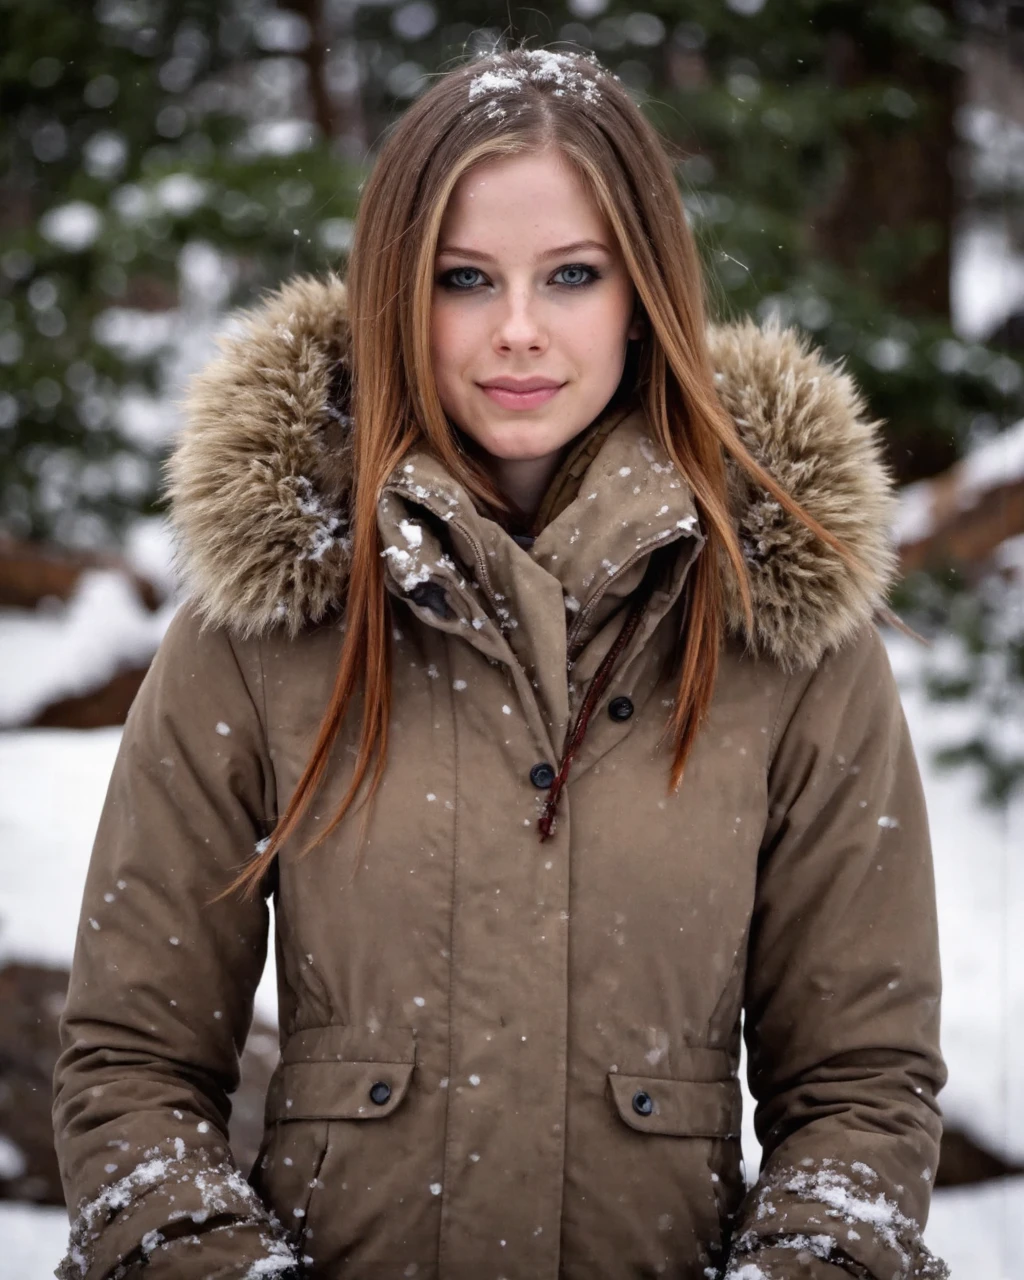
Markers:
(261, 478)
(502, 1057)
(794, 1261)
(565, 484)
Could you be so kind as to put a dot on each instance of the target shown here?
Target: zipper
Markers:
(584, 614)
(481, 559)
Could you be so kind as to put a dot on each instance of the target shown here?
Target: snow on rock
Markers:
(149, 549)
(975, 1230)
(997, 461)
(986, 279)
(12, 1160)
(75, 647)
(41, 891)
(979, 880)
(42, 887)
(926, 506)
(32, 1239)
(915, 516)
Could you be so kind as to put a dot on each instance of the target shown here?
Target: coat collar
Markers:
(631, 502)
(259, 480)
(460, 571)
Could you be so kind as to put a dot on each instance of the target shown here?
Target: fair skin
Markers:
(512, 303)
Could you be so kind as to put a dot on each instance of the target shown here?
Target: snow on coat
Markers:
(501, 1056)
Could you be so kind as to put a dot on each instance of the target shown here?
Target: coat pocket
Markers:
(678, 1188)
(682, 1108)
(328, 1077)
(338, 1090)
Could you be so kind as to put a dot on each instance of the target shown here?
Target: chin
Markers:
(522, 441)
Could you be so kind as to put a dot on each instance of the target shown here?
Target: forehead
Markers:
(536, 196)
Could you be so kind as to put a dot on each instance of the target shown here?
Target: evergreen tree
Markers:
(144, 144)
(163, 162)
(816, 146)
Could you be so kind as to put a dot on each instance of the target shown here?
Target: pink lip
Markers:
(527, 394)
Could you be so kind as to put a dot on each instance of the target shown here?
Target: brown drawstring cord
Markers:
(597, 687)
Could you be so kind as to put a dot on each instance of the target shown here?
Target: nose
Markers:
(519, 326)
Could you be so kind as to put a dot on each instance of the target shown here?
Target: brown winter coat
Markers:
(503, 1057)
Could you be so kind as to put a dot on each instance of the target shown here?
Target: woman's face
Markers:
(531, 291)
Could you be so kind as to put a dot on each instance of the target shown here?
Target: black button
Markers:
(620, 708)
(643, 1104)
(542, 775)
(380, 1092)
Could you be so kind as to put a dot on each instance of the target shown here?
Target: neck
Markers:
(524, 481)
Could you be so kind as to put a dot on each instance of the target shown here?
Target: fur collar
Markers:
(259, 478)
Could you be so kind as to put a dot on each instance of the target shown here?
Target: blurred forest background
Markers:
(853, 166)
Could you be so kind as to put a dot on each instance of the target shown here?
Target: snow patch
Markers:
(545, 67)
(408, 570)
(65, 649)
(74, 226)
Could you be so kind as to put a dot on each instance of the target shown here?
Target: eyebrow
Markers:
(575, 247)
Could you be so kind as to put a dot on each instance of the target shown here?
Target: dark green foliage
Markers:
(975, 666)
(770, 106)
(821, 154)
(141, 117)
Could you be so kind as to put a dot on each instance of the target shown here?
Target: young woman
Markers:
(529, 667)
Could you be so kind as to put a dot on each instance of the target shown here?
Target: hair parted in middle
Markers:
(502, 104)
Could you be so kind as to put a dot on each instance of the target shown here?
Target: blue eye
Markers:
(464, 279)
(451, 280)
(589, 274)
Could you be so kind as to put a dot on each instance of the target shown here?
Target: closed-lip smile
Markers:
(521, 385)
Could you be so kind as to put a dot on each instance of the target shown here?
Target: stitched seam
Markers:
(448, 1139)
(266, 721)
(773, 743)
(256, 711)
(300, 1242)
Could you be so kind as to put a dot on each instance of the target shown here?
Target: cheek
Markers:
(599, 343)
(450, 340)
(621, 314)
(602, 336)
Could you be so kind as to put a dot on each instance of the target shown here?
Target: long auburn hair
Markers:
(501, 104)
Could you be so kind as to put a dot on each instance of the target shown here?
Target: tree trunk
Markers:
(899, 177)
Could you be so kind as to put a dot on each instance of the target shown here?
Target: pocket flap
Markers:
(337, 1090)
(686, 1108)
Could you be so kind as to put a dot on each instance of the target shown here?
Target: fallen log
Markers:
(964, 514)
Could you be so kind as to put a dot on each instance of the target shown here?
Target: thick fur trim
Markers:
(804, 421)
(260, 477)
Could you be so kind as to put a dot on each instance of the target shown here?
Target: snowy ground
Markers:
(54, 785)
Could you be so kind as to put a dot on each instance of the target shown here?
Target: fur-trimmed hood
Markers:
(260, 477)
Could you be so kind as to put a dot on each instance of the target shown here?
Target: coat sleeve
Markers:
(841, 1006)
(162, 982)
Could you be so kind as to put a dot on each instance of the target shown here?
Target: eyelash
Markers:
(446, 282)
